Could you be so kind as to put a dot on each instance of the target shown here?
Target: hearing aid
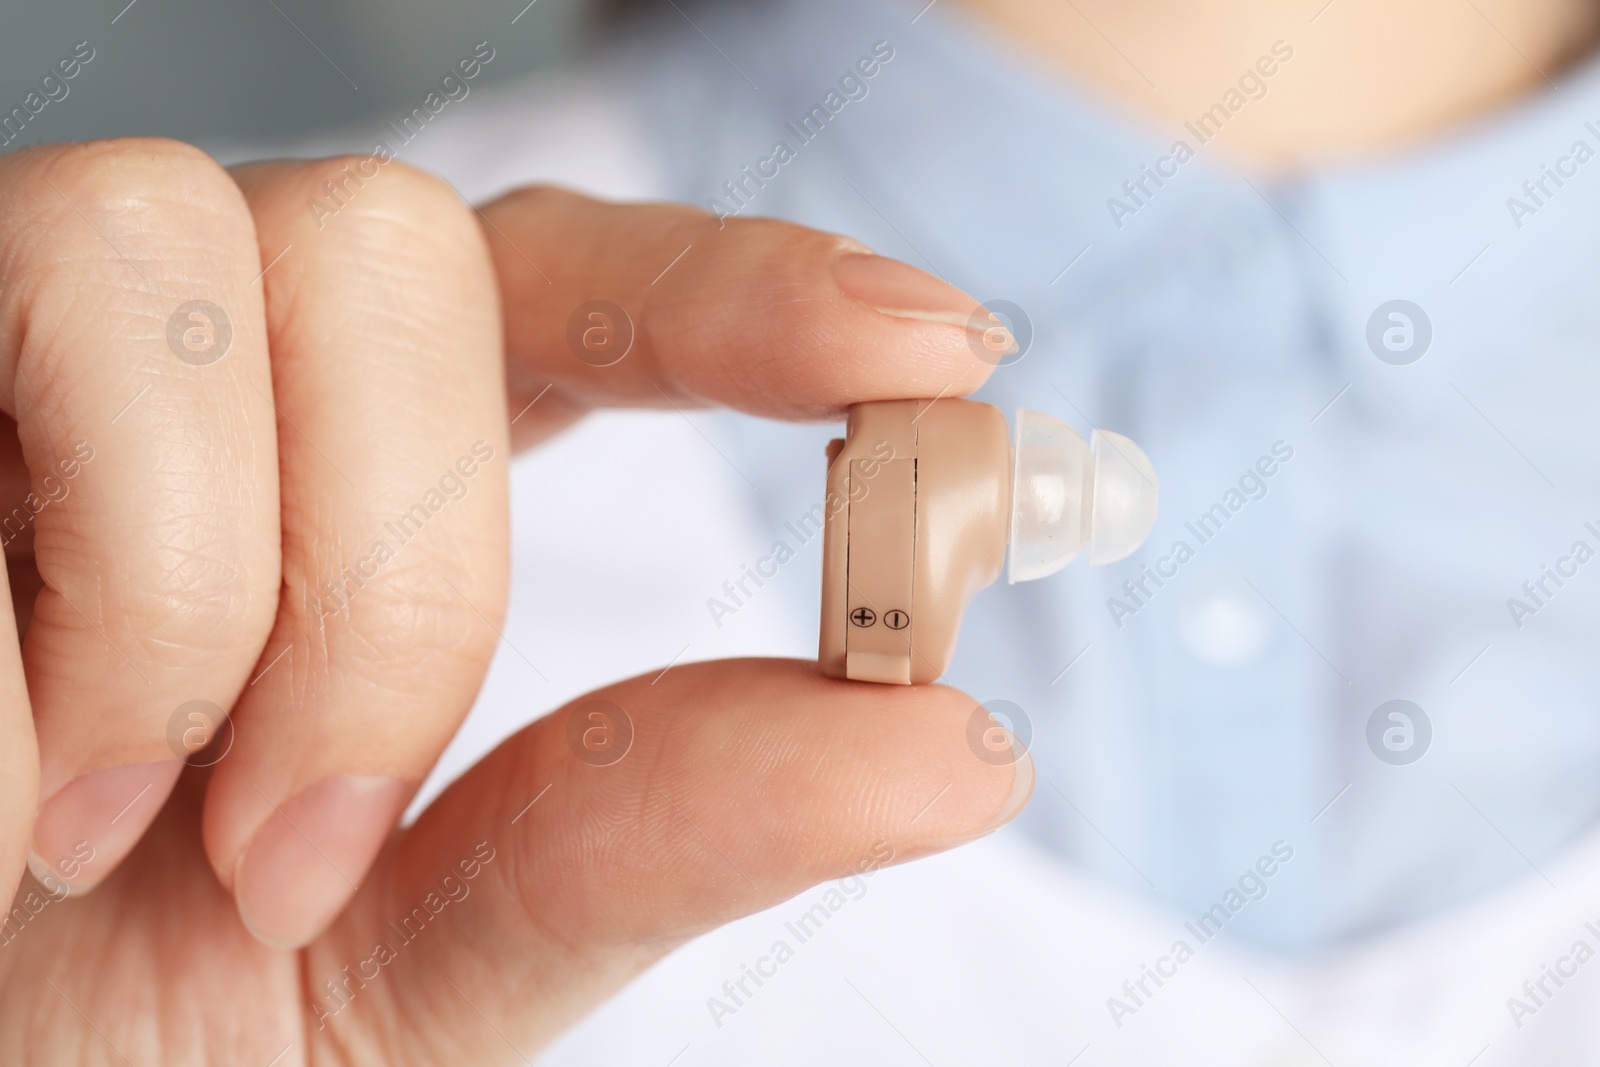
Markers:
(923, 500)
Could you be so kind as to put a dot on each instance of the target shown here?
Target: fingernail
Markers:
(94, 821)
(305, 862)
(1021, 790)
(899, 289)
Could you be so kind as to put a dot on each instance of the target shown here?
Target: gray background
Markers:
(217, 71)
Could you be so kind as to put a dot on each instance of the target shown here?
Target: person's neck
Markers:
(1365, 77)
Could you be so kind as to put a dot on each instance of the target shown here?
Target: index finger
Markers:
(650, 304)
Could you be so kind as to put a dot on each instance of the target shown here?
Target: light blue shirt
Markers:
(1358, 524)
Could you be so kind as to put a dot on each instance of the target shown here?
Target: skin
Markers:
(187, 559)
(1368, 77)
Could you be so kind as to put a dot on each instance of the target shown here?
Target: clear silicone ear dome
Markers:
(1068, 495)
(1051, 496)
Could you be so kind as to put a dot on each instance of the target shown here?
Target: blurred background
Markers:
(1008, 952)
(218, 74)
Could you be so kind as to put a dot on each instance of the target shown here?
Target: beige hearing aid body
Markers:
(923, 498)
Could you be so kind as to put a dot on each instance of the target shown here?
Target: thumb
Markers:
(601, 837)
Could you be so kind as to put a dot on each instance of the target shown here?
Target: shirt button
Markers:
(1222, 628)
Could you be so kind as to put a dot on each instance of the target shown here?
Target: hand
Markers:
(219, 542)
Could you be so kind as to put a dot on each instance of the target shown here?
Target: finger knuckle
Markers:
(409, 626)
(124, 175)
(386, 210)
(538, 198)
(200, 589)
